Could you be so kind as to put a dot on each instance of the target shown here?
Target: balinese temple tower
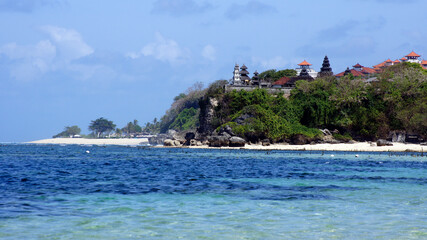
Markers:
(326, 69)
(236, 76)
(255, 78)
(413, 58)
(244, 75)
(306, 66)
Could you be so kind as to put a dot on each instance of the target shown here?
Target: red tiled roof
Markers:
(357, 66)
(403, 59)
(388, 61)
(380, 65)
(412, 54)
(304, 63)
(367, 70)
(424, 62)
(354, 72)
(396, 61)
(282, 81)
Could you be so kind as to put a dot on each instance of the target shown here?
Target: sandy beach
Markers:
(357, 147)
(86, 141)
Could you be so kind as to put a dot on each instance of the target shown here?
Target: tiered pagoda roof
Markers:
(413, 54)
(326, 69)
(304, 63)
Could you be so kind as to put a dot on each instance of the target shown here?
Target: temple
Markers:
(357, 71)
(236, 76)
(305, 66)
(241, 79)
(326, 69)
(413, 57)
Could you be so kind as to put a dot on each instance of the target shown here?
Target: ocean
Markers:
(112, 192)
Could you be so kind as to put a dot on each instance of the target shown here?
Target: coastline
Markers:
(350, 147)
(88, 141)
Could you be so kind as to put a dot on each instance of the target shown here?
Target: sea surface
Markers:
(112, 192)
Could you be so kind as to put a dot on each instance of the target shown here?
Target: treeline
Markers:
(103, 127)
(361, 110)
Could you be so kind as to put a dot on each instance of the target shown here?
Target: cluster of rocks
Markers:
(174, 139)
(225, 138)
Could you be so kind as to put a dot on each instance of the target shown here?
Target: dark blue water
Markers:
(128, 192)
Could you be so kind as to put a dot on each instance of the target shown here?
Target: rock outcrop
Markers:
(382, 142)
(237, 142)
(207, 114)
(158, 139)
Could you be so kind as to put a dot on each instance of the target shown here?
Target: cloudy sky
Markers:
(67, 62)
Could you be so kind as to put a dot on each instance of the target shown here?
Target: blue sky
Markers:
(67, 62)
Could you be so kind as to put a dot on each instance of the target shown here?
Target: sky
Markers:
(68, 62)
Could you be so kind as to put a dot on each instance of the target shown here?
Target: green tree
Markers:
(101, 126)
(69, 131)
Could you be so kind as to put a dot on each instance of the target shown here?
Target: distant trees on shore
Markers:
(69, 131)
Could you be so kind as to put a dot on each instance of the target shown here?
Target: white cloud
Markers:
(163, 49)
(28, 62)
(209, 52)
(70, 43)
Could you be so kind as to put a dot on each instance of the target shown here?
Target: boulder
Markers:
(172, 143)
(299, 139)
(169, 143)
(265, 142)
(218, 141)
(157, 139)
(194, 142)
(227, 130)
(382, 142)
(172, 134)
(237, 142)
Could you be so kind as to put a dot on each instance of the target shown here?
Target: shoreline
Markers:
(348, 147)
(93, 141)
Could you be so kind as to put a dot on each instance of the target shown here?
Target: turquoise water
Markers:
(62, 192)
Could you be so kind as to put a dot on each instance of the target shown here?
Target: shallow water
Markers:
(62, 192)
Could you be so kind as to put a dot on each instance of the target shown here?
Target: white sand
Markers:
(85, 141)
(358, 147)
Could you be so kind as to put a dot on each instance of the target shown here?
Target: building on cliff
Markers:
(305, 67)
(358, 71)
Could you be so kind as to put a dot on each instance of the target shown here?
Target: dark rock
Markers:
(207, 113)
(299, 139)
(265, 142)
(413, 138)
(227, 129)
(218, 141)
(382, 142)
(189, 136)
(237, 142)
(158, 139)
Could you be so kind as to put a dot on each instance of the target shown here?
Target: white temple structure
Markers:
(236, 76)
(413, 58)
(305, 65)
